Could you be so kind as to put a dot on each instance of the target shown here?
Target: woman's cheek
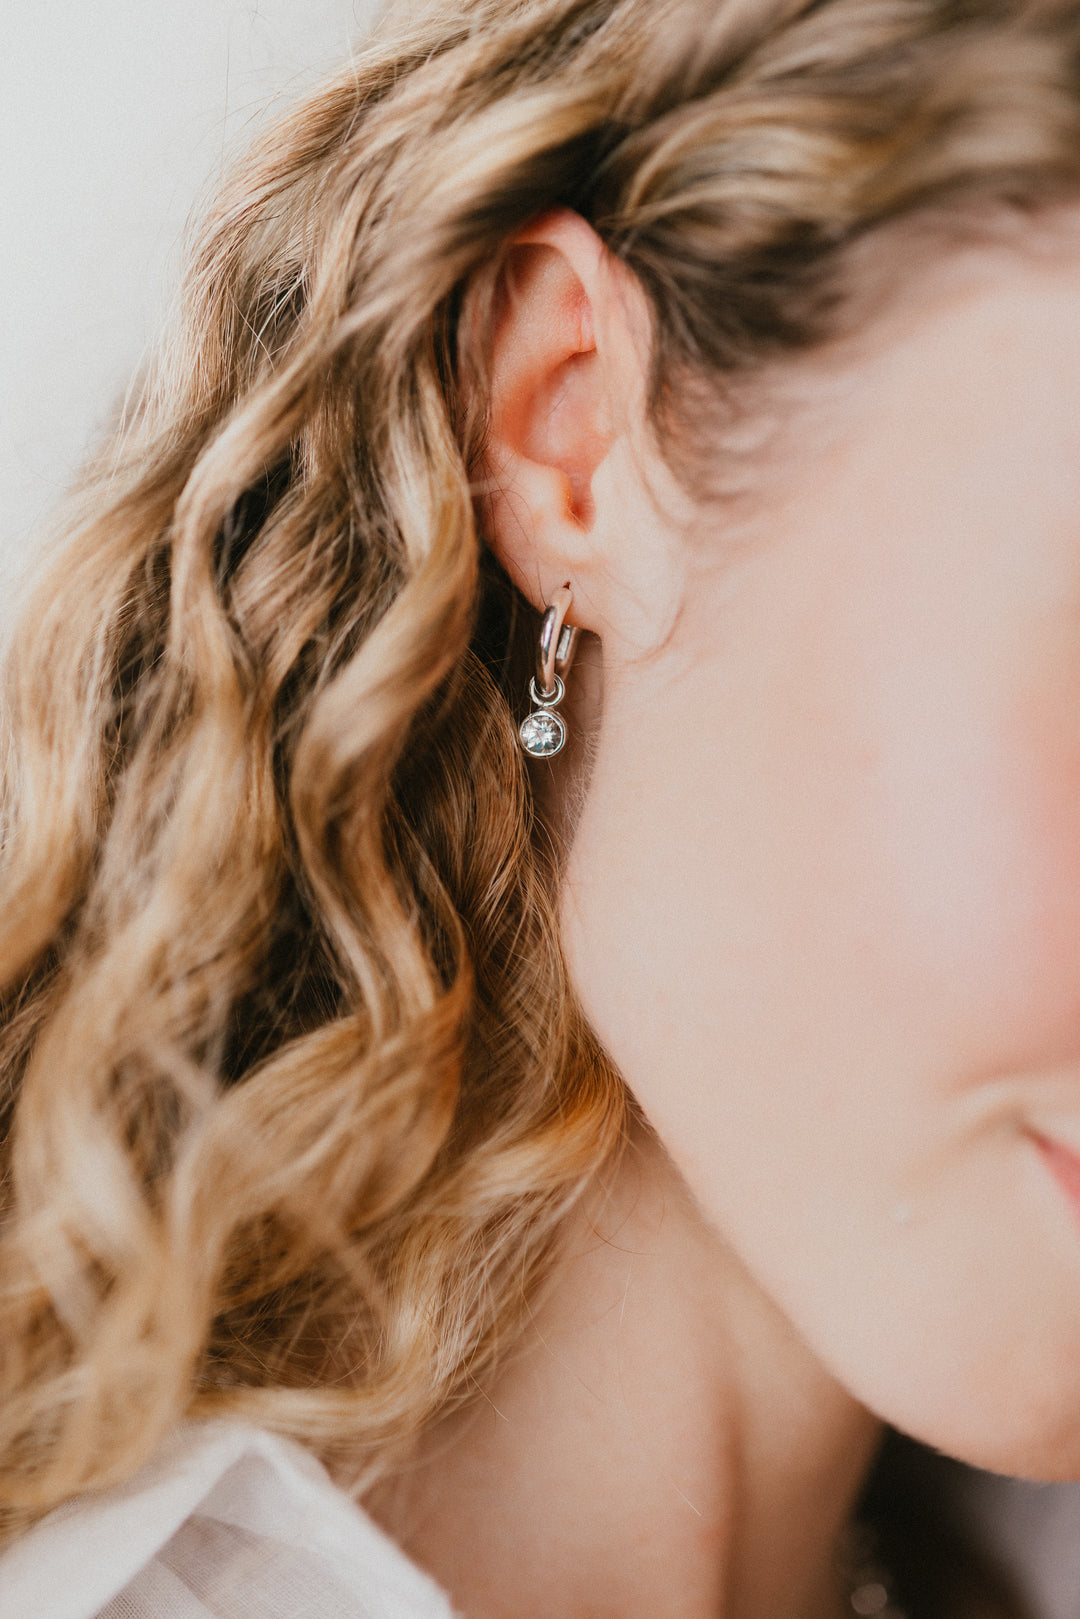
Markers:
(978, 805)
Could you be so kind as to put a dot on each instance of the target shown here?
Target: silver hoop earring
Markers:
(543, 733)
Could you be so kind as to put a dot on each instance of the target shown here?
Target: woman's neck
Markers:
(662, 1444)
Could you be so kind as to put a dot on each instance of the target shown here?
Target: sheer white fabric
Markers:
(225, 1523)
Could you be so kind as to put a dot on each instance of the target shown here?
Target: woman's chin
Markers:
(1029, 1429)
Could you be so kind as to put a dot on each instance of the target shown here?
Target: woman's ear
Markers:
(567, 371)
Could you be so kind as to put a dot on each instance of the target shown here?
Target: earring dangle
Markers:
(543, 733)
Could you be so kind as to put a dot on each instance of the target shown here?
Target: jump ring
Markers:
(555, 694)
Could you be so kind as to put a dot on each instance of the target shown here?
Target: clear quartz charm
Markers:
(543, 734)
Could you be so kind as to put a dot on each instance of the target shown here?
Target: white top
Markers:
(226, 1522)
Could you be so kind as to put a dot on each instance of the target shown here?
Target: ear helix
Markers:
(543, 733)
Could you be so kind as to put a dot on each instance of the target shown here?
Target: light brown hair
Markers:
(296, 1094)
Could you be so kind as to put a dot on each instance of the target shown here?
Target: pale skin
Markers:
(822, 906)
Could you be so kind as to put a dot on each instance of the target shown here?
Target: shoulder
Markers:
(224, 1522)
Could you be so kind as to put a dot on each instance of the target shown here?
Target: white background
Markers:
(114, 117)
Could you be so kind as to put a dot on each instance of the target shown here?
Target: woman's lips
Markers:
(1063, 1165)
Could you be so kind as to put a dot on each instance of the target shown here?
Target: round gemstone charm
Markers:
(542, 734)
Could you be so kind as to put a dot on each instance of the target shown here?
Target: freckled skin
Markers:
(824, 901)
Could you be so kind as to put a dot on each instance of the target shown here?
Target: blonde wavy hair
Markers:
(296, 1095)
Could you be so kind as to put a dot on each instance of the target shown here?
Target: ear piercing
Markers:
(543, 733)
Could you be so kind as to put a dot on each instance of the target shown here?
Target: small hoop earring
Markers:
(543, 733)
